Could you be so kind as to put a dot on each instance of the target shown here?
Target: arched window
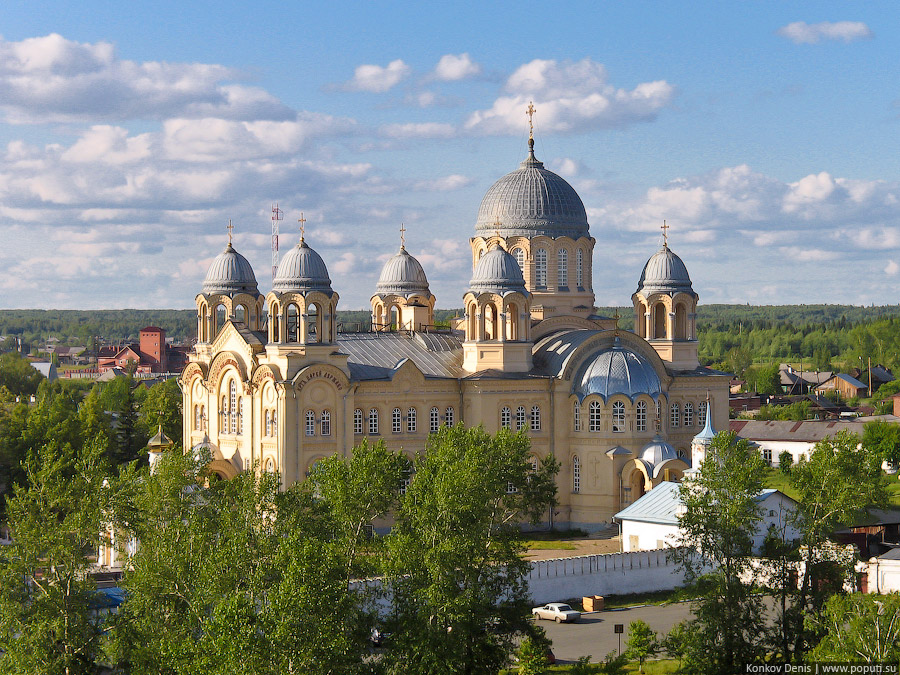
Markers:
(411, 420)
(240, 415)
(268, 422)
(618, 417)
(434, 420)
(535, 418)
(202, 417)
(675, 418)
(680, 322)
(396, 421)
(688, 414)
(313, 326)
(448, 416)
(658, 415)
(642, 416)
(274, 423)
(576, 474)
(196, 417)
(373, 421)
(223, 415)
(519, 255)
(505, 417)
(659, 321)
(579, 268)
(520, 417)
(240, 314)
(594, 416)
(562, 268)
(220, 318)
(232, 407)
(702, 414)
(293, 323)
(310, 423)
(325, 423)
(576, 415)
(540, 268)
(357, 421)
(270, 465)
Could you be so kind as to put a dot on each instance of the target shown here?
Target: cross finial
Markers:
(230, 229)
(665, 229)
(530, 112)
(302, 222)
(616, 317)
(402, 236)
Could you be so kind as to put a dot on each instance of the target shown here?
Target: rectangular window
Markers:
(576, 413)
(505, 417)
(396, 421)
(594, 416)
(535, 418)
(325, 423)
(357, 421)
(310, 423)
(373, 422)
(449, 417)
(434, 420)
(411, 421)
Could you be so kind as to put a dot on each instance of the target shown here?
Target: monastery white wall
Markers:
(638, 536)
(608, 574)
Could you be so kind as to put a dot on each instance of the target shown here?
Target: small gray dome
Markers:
(230, 273)
(497, 272)
(402, 275)
(302, 270)
(665, 272)
(617, 370)
(658, 451)
(532, 201)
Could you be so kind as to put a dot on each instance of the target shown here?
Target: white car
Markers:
(556, 611)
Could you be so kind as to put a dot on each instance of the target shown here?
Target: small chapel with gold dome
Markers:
(274, 384)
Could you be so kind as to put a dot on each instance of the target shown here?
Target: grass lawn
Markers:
(544, 545)
(776, 479)
(660, 667)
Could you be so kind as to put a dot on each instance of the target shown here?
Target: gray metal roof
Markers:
(658, 451)
(532, 201)
(302, 270)
(616, 370)
(402, 275)
(375, 356)
(809, 431)
(230, 273)
(660, 505)
(497, 272)
(665, 272)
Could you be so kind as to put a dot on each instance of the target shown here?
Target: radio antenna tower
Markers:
(277, 215)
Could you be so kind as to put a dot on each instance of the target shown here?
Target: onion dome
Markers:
(617, 370)
(665, 272)
(497, 272)
(160, 442)
(302, 270)
(532, 201)
(658, 451)
(402, 275)
(230, 273)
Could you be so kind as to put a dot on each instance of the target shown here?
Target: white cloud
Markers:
(444, 184)
(891, 268)
(800, 32)
(453, 67)
(569, 96)
(51, 78)
(418, 130)
(378, 79)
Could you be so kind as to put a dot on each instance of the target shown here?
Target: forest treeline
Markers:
(730, 336)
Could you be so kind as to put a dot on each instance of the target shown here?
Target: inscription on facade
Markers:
(320, 374)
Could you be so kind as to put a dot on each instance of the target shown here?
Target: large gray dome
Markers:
(302, 270)
(497, 272)
(402, 275)
(230, 273)
(616, 370)
(658, 451)
(665, 272)
(532, 201)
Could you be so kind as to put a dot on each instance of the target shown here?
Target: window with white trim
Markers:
(232, 407)
(310, 423)
(688, 414)
(702, 415)
(396, 421)
(505, 417)
(274, 422)
(520, 417)
(618, 417)
(535, 418)
(325, 423)
(675, 416)
(434, 420)
(373, 421)
(511, 489)
(448, 416)
(240, 415)
(576, 474)
(540, 268)
(576, 415)
(562, 267)
(411, 421)
(196, 417)
(642, 416)
(357, 421)
(519, 255)
(658, 415)
(268, 423)
(594, 423)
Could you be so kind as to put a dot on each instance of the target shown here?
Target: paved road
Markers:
(594, 633)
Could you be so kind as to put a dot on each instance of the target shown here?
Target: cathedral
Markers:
(275, 385)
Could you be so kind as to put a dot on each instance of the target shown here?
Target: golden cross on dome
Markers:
(402, 236)
(530, 112)
(302, 222)
(230, 229)
(616, 317)
(665, 229)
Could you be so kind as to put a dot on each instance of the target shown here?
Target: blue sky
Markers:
(765, 133)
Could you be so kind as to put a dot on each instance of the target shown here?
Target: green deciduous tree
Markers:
(18, 375)
(458, 581)
(883, 439)
(860, 627)
(642, 642)
(48, 618)
(720, 517)
(161, 406)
